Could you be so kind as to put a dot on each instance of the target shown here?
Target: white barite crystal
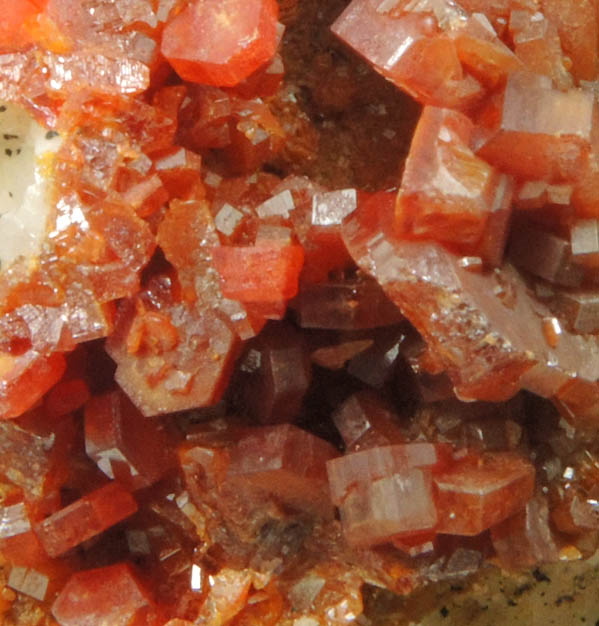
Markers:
(227, 219)
(281, 204)
(26, 150)
(332, 207)
(14, 520)
(107, 457)
(28, 581)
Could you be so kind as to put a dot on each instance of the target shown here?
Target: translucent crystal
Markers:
(538, 46)
(111, 595)
(550, 257)
(85, 518)
(397, 504)
(28, 459)
(473, 322)
(13, 34)
(275, 375)
(407, 49)
(227, 219)
(584, 242)
(333, 207)
(243, 277)
(478, 493)
(365, 466)
(286, 462)
(279, 204)
(578, 31)
(336, 356)
(581, 309)
(227, 595)
(349, 304)
(29, 582)
(526, 539)
(66, 396)
(170, 356)
(377, 365)
(535, 131)
(96, 72)
(447, 193)
(31, 371)
(481, 51)
(218, 43)
(125, 445)
(14, 520)
(365, 421)
(536, 194)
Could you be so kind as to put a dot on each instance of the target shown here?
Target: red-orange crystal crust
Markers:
(281, 339)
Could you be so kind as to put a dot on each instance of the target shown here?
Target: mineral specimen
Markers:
(271, 333)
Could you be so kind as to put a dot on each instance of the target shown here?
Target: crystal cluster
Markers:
(245, 370)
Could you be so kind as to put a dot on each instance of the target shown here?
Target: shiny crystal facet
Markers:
(407, 49)
(481, 492)
(485, 328)
(125, 445)
(358, 469)
(85, 518)
(537, 132)
(447, 192)
(526, 538)
(365, 421)
(285, 461)
(545, 255)
(221, 43)
(107, 595)
(397, 504)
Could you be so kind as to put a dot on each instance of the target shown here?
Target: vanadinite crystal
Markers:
(218, 42)
(109, 595)
(273, 333)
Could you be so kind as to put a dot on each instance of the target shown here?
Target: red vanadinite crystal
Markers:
(107, 595)
(125, 445)
(31, 371)
(15, 17)
(221, 42)
(447, 192)
(262, 273)
(277, 331)
(480, 492)
(281, 462)
(85, 518)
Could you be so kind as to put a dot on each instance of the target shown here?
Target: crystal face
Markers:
(274, 334)
(221, 43)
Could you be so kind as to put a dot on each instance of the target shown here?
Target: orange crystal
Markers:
(106, 595)
(221, 42)
(535, 131)
(170, 355)
(260, 273)
(407, 48)
(479, 492)
(447, 192)
(85, 518)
